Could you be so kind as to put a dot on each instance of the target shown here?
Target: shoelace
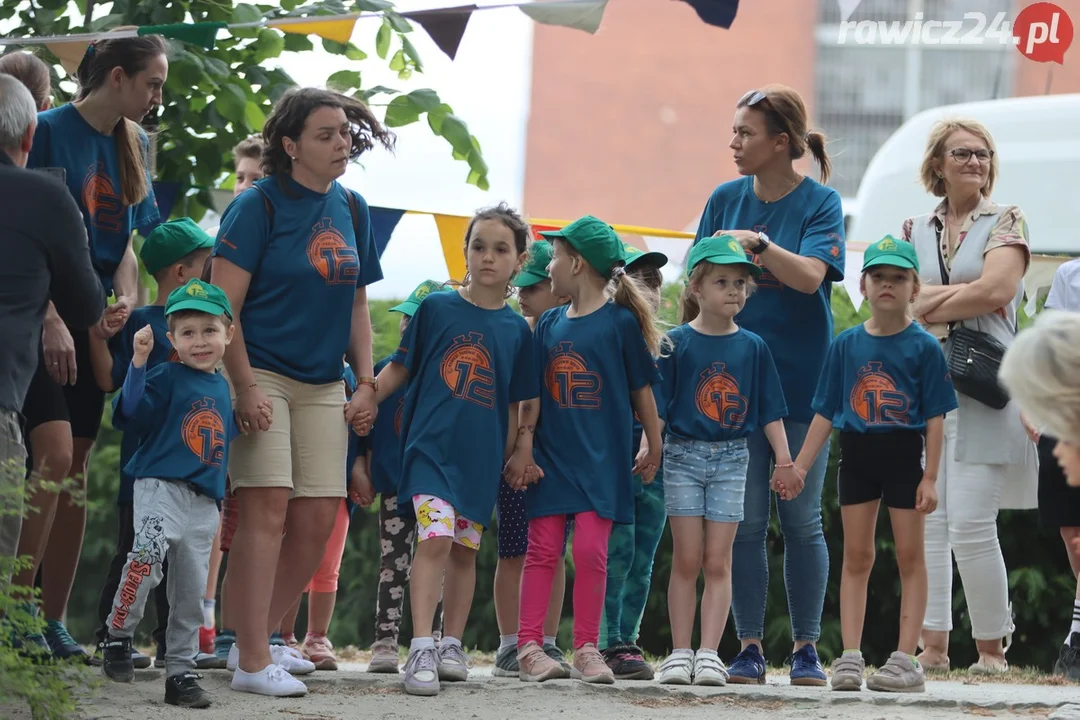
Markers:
(277, 673)
(591, 657)
(534, 656)
(424, 660)
(454, 653)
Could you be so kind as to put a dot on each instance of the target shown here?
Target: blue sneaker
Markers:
(748, 667)
(223, 643)
(277, 639)
(63, 645)
(806, 668)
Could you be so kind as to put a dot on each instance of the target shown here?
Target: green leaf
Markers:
(216, 68)
(457, 134)
(478, 180)
(402, 111)
(289, 4)
(410, 51)
(269, 44)
(244, 13)
(435, 117)
(382, 40)
(427, 100)
(382, 90)
(397, 63)
(354, 53)
(254, 116)
(372, 5)
(399, 23)
(344, 80)
(232, 103)
(297, 43)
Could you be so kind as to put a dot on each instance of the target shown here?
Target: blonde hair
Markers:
(785, 112)
(1041, 372)
(935, 151)
(688, 305)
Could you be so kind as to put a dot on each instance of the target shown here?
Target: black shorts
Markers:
(81, 404)
(880, 466)
(1059, 504)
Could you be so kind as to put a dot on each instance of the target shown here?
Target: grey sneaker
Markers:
(900, 674)
(506, 663)
(552, 651)
(454, 664)
(847, 671)
(384, 659)
(421, 672)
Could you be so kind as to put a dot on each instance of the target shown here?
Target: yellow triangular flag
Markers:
(70, 54)
(452, 238)
(337, 30)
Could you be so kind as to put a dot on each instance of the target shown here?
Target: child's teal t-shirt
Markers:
(386, 440)
(305, 268)
(873, 384)
(719, 387)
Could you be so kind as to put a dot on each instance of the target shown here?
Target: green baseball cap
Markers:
(408, 307)
(720, 250)
(535, 269)
(636, 256)
(201, 296)
(890, 251)
(595, 240)
(171, 242)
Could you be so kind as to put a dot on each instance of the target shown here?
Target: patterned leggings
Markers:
(396, 538)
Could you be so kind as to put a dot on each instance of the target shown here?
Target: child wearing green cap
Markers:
(886, 388)
(720, 386)
(596, 360)
(173, 254)
(396, 531)
(534, 298)
(182, 414)
(467, 359)
(632, 547)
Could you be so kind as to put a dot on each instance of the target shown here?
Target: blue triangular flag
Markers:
(716, 12)
(383, 222)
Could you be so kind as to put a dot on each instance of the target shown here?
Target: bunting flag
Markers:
(70, 54)
(716, 12)
(383, 222)
(452, 230)
(568, 13)
(203, 34)
(339, 28)
(445, 26)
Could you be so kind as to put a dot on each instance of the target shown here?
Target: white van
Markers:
(1038, 151)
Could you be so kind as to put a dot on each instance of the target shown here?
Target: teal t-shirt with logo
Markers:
(91, 163)
(386, 439)
(719, 387)
(466, 366)
(874, 384)
(183, 422)
(797, 327)
(305, 269)
(589, 366)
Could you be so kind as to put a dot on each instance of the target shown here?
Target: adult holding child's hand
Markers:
(294, 254)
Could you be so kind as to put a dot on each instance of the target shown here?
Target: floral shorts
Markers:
(437, 518)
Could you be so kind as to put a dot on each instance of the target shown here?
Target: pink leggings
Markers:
(326, 577)
(590, 548)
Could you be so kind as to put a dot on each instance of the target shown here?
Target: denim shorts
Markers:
(705, 479)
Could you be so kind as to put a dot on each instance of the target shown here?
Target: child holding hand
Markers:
(886, 388)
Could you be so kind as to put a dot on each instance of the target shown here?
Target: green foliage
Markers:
(215, 98)
(44, 689)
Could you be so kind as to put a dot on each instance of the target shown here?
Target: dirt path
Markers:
(351, 693)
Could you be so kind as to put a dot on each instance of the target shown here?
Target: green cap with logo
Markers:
(720, 250)
(171, 242)
(408, 307)
(200, 296)
(635, 256)
(535, 269)
(890, 251)
(595, 240)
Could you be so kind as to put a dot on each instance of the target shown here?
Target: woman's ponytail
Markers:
(630, 294)
(134, 160)
(815, 142)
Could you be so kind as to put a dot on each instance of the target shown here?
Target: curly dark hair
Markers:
(293, 110)
(509, 217)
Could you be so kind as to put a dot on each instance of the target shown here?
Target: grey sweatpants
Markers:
(171, 521)
(12, 485)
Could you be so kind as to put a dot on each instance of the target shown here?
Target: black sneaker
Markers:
(159, 657)
(627, 663)
(62, 644)
(1068, 662)
(506, 663)
(116, 661)
(184, 691)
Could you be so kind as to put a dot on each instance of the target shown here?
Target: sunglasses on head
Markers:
(752, 98)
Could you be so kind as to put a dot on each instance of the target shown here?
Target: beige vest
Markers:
(983, 435)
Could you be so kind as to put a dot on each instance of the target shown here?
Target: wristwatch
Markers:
(763, 243)
(371, 382)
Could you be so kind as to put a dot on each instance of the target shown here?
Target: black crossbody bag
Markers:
(973, 358)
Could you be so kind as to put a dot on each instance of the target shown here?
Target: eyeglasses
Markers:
(963, 155)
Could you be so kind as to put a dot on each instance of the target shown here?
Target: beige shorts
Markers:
(306, 445)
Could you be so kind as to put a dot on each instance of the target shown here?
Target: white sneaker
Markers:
(282, 655)
(272, 680)
(709, 669)
(677, 669)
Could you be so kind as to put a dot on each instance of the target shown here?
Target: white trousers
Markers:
(965, 526)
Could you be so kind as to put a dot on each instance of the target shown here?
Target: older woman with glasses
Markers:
(973, 254)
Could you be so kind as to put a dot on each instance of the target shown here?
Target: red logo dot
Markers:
(1043, 32)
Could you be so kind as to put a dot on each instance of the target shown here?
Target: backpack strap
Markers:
(269, 208)
(354, 210)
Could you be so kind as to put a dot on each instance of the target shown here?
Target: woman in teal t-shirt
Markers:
(295, 254)
(793, 228)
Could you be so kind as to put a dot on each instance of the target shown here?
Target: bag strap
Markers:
(354, 211)
(269, 208)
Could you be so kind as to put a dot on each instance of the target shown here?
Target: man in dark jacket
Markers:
(44, 255)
